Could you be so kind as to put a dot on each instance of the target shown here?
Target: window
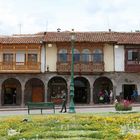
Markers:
(20, 58)
(32, 58)
(97, 56)
(62, 56)
(85, 55)
(133, 55)
(76, 56)
(8, 57)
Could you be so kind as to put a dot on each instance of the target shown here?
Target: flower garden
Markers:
(105, 126)
(123, 105)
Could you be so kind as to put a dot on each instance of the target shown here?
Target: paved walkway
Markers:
(78, 109)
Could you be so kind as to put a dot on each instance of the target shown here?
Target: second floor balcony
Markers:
(132, 60)
(82, 63)
(19, 63)
(19, 67)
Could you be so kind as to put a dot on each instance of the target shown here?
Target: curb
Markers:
(10, 108)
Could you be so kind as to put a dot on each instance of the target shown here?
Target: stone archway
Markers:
(104, 85)
(11, 92)
(55, 87)
(34, 90)
(81, 90)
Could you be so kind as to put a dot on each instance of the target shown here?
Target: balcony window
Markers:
(20, 58)
(62, 56)
(97, 56)
(32, 58)
(8, 58)
(85, 57)
(133, 55)
(76, 56)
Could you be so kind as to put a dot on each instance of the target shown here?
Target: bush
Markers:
(123, 106)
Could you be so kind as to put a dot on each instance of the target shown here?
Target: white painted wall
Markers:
(108, 58)
(51, 57)
(43, 59)
(119, 57)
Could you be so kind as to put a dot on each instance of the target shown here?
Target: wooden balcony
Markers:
(89, 67)
(19, 67)
(132, 66)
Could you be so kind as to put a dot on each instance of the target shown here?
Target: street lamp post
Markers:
(71, 106)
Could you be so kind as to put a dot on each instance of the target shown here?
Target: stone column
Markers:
(91, 95)
(91, 81)
(114, 93)
(22, 95)
(0, 95)
(45, 94)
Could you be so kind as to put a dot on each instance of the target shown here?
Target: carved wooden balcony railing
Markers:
(132, 66)
(19, 67)
(132, 59)
(85, 63)
(89, 67)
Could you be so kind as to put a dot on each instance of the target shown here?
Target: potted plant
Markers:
(123, 105)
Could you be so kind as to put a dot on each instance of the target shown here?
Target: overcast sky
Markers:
(32, 16)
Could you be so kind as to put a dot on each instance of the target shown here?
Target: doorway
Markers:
(55, 87)
(81, 90)
(127, 91)
(101, 84)
(34, 91)
(11, 92)
(37, 94)
(9, 95)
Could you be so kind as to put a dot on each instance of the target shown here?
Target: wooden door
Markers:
(37, 94)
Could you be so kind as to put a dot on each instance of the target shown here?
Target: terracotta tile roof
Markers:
(116, 37)
(128, 38)
(79, 36)
(31, 39)
(105, 37)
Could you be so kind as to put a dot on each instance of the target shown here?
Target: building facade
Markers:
(37, 67)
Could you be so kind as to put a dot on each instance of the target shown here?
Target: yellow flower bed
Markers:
(71, 126)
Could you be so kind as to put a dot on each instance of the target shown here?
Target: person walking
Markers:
(64, 102)
(111, 97)
(134, 95)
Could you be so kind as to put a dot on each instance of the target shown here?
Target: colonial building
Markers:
(20, 57)
(37, 67)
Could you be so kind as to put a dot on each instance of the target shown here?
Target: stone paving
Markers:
(78, 109)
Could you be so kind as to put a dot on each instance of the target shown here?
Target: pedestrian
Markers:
(106, 96)
(111, 96)
(64, 101)
(101, 97)
(134, 95)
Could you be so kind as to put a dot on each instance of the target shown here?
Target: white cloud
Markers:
(83, 15)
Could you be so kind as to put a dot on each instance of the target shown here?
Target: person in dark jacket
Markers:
(64, 102)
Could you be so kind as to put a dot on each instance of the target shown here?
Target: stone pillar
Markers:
(91, 95)
(45, 94)
(0, 95)
(91, 81)
(68, 92)
(22, 95)
(114, 93)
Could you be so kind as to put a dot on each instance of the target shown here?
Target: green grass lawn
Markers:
(103, 126)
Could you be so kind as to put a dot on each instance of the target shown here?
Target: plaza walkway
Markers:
(78, 108)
